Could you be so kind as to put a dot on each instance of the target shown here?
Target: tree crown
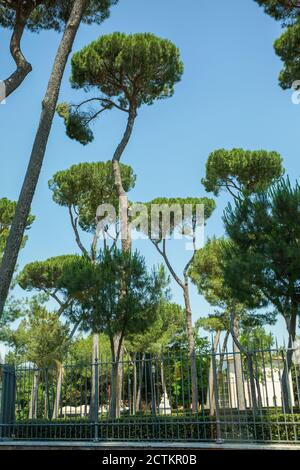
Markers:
(87, 185)
(116, 294)
(239, 170)
(179, 218)
(123, 72)
(50, 14)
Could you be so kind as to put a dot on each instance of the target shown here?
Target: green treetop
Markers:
(125, 71)
(116, 295)
(207, 272)
(239, 170)
(287, 48)
(83, 188)
(44, 277)
(40, 338)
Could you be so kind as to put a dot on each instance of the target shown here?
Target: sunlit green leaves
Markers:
(137, 68)
(239, 170)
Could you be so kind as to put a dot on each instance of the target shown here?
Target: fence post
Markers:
(96, 399)
(216, 395)
(8, 398)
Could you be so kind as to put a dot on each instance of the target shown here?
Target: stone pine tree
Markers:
(72, 13)
(82, 189)
(165, 217)
(239, 170)
(120, 72)
(262, 263)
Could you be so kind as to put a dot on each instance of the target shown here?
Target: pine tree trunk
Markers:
(34, 396)
(238, 367)
(116, 377)
(222, 355)
(210, 396)
(191, 345)
(56, 408)
(18, 226)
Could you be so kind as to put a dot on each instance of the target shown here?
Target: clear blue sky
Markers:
(229, 97)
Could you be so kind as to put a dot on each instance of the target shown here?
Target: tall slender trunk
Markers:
(191, 345)
(18, 226)
(210, 396)
(126, 246)
(116, 376)
(33, 405)
(61, 372)
(285, 381)
(238, 368)
(56, 407)
(141, 376)
(222, 356)
(94, 407)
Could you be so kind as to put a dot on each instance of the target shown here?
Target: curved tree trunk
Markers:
(238, 368)
(56, 407)
(116, 376)
(18, 226)
(191, 344)
(23, 68)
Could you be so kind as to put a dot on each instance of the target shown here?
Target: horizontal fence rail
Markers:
(242, 397)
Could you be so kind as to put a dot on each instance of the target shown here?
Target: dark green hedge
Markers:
(243, 427)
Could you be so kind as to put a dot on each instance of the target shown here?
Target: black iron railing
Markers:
(242, 397)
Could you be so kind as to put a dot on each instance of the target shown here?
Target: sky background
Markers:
(228, 97)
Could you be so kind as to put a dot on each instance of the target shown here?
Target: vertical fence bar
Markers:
(216, 397)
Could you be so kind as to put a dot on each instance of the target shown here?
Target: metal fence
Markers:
(241, 398)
